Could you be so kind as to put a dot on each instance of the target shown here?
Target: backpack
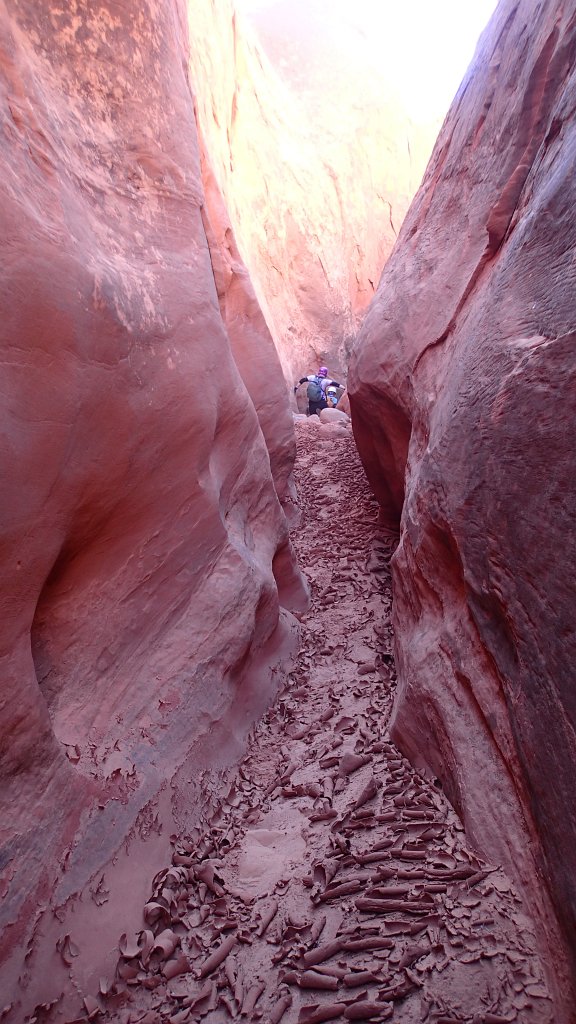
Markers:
(314, 390)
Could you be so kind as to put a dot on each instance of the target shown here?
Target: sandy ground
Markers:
(330, 881)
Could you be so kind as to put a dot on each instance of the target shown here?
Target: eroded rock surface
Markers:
(462, 392)
(140, 529)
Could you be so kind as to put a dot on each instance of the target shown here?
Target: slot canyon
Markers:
(287, 712)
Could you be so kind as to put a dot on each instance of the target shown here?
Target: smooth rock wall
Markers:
(140, 528)
(251, 341)
(463, 397)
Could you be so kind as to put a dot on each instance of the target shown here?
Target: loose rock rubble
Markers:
(330, 881)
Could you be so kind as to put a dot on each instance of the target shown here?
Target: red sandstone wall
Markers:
(463, 401)
(139, 525)
(251, 341)
(317, 161)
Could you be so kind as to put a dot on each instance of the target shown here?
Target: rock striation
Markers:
(462, 388)
(142, 542)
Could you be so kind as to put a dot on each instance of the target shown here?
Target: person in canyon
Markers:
(316, 391)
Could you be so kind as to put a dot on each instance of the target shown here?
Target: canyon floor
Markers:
(329, 881)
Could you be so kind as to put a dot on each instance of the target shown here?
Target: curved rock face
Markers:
(317, 160)
(140, 529)
(463, 398)
(252, 344)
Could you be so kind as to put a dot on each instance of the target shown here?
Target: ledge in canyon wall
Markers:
(463, 400)
(140, 531)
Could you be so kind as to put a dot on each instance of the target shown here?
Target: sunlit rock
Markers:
(317, 159)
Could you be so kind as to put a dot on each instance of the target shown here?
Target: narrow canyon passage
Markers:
(200, 204)
(330, 881)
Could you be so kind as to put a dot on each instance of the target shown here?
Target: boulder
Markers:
(463, 393)
(309, 422)
(334, 416)
(329, 431)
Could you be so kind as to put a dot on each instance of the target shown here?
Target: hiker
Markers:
(316, 391)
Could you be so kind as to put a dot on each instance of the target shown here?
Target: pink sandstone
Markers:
(462, 388)
(142, 540)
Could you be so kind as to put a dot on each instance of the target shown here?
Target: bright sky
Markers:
(426, 45)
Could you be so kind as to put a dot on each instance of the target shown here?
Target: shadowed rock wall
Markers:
(140, 529)
(463, 400)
